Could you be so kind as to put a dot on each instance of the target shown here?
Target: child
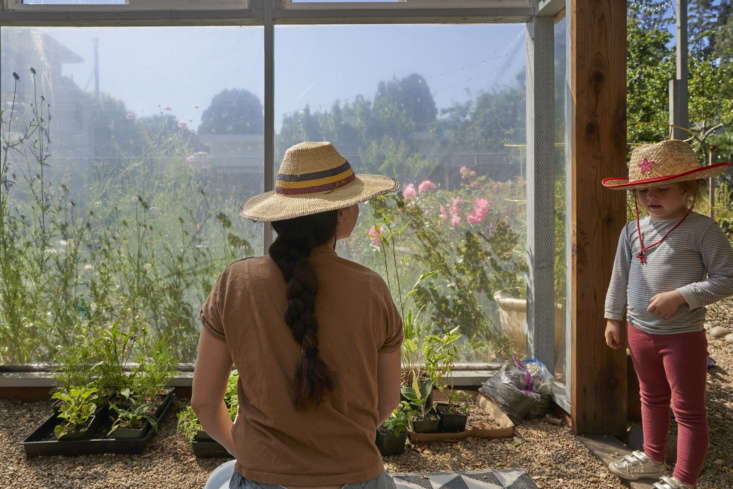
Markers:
(668, 266)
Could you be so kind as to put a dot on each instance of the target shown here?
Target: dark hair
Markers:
(290, 250)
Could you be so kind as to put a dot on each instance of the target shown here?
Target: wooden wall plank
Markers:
(598, 89)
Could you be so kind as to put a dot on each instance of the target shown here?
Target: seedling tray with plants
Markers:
(206, 447)
(486, 420)
(43, 442)
(189, 425)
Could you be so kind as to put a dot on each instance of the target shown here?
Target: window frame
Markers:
(128, 6)
(269, 13)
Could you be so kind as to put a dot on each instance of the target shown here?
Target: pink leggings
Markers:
(673, 367)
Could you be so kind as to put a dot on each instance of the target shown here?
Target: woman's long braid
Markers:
(296, 238)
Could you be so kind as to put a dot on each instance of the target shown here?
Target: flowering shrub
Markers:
(454, 248)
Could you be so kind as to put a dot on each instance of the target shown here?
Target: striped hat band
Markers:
(319, 181)
(314, 178)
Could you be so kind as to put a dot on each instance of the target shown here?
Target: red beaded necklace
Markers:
(644, 249)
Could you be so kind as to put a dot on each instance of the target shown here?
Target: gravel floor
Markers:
(552, 456)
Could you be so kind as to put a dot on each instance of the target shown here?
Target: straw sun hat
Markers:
(662, 163)
(314, 178)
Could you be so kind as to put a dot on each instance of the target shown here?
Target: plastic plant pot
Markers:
(451, 422)
(429, 424)
(389, 443)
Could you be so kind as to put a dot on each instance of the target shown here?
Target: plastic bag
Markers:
(520, 388)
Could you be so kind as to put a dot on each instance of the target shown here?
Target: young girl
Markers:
(668, 266)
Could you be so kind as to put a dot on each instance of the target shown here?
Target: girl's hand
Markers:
(665, 304)
(613, 333)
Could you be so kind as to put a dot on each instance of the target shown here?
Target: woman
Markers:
(315, 338)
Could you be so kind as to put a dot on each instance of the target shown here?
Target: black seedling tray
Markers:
(208, 448)
(43, 442)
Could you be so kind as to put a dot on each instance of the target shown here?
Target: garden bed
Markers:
(549, 452)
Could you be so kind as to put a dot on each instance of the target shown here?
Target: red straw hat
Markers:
(663, 163)
(313, 178)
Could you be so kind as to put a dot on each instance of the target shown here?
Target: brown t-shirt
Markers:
(333, 443)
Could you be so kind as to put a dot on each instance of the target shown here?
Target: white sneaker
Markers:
(670, 483)
(637, 466)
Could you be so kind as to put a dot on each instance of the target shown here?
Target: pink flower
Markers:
(425, 186)
(130, 116)
(496, 186)
(374, 235)
(466, 173)
(481, 205)
(472, 219)
(167, 107)
(409, 192)
(477, 214)
(455, 220)
(454, 209)
(181, 124)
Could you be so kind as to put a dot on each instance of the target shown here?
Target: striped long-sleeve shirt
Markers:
(696, 259)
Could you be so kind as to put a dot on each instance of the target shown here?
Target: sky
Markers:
(178, 70)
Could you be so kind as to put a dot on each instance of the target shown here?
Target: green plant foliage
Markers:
(440, 353)
(457, 276)
(399, 420)
(131, 411)
(135, 249)
(76, 407)
(188, 422)
(458, 402)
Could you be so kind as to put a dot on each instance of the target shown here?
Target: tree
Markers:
(403, 105)
(233, 111)
(649, 67)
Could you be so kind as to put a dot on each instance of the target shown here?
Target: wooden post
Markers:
(678, 96)
(598, 89)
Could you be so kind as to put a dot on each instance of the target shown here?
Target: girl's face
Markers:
(664, 201)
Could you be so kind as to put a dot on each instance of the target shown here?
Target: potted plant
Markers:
(454, 414)
(130, 414)
(137, 405)
(78, 408)
(440, 352)
(423, 418)
(190, 426)
(414, 330)
(392, 434)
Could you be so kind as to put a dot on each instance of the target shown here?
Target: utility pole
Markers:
(678, 112)
(711, 187)
(96, 68)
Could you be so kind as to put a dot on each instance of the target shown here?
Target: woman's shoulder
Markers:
(357, 275)
(250, 267)
(359, 270)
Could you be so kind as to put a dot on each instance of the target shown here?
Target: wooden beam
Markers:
(598, 90)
